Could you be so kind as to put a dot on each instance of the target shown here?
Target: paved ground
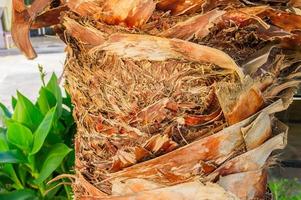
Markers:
(18, 73)
(42, 45)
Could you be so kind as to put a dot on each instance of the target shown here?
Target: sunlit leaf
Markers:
(54, 158)
(55, 89)
(20, 136)
(3, 141)
(42, 131)
(14, 102)
(4, 112)
(26, 113)
(46, 100)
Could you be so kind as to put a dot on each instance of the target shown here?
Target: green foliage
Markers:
(36, 144)
(42, 131)
(285, 189)
(19, 195)
(27, 113)
(4, 111)
(20, 136)
(53, 159)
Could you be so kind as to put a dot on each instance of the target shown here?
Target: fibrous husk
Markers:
(174, 99)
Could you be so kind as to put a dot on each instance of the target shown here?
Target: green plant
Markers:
(36, 145)
(285, 189)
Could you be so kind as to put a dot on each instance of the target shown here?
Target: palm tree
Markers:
(173, 99)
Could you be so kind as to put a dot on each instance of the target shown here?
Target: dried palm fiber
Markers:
(159, 113)
(175, 167)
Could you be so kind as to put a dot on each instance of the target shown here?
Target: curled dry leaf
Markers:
(180, 7)
(131, 13)
(197, 120)
(141, 47)
(22, 19)
(198, 26)
(49, 18)
(248, 103)
(160, 143)
(123, 159)
(249, 25)
(192, 6)
(252, 160)
(258, 131)
(246, 185)
(244, 100)
(85, 35)
(89, 187)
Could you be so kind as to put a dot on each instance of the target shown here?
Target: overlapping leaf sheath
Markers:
(176, 99)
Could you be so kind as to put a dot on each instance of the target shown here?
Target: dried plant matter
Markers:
(169, 94)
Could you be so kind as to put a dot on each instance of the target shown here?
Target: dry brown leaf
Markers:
(252, 160)
(140, 47)
(246, 185)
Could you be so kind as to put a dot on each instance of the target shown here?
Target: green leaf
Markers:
(12, 156)
(14, 102)
(26, 113)
(4, 112)
(67, 100)
(22, 171)
(10, 171)
(20, 136)
(46, 100)
(41, 133)
(54, 158)
(8, 168)
(25, 194)
(67, 117)
(55, 89)
(61, 197)
(70, 160)
(3, 141)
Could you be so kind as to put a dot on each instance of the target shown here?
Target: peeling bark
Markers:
(186, 191)
(246, 185)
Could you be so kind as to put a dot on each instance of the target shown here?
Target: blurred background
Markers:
(18, 73)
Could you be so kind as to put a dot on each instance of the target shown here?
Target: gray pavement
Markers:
(18, 73)
(42, 45)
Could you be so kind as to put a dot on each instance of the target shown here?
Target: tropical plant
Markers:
(36, 145)
(286, 189)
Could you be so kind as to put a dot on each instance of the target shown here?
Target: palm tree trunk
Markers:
(175, 99)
